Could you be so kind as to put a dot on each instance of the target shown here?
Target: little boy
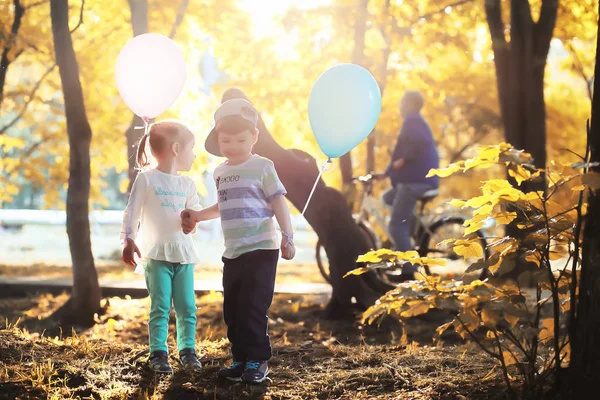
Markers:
(249, 195)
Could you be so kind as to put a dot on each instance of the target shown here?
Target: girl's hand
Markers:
(288, 249)
(129, 252)
(188, 223)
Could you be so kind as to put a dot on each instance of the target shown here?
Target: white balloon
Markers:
(150, 74)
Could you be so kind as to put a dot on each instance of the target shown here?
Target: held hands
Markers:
(129, 252)
(288, 249)
(188, 222)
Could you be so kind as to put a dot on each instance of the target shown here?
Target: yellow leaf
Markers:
(431, 261)
(511, 319)
(533, 196)
(509, 358)
(578, 188)
(547, 329)
(416, 308)
(494, 185)
(9, 143)
(406, 255)
(474, 227)
(554, 178)
(591, 179)
(479, 201)
(519, 173)
(469, 249)
(489, 317)
(532, 256)
(11, 189)
(457, 203)
(124, 185)
(484, 210)
(505, 218)
(445, 172)
(508, 194)
(357, 271)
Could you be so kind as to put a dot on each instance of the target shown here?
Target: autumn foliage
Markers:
(523, 326)
(440, 47)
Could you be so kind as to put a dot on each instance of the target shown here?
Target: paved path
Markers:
(20, 286)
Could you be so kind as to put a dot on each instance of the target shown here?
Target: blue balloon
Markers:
(343, 108)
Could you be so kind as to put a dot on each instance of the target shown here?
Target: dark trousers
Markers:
(248, 286)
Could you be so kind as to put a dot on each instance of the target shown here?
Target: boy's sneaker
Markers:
(159, 362)
(233, 372)
(189, 360)
(256, 372)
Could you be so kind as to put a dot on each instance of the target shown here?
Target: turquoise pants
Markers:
(171, 282)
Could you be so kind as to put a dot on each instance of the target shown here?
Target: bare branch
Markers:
(37, 3)
(179, 19)
(80, 17)
(29, 100)
(458, 155)
(578, 64)
(405, 30)
(443, 9)
(10, 42)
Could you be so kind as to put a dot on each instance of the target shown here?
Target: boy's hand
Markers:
(129, 252)
(288, 250)
(188, 223)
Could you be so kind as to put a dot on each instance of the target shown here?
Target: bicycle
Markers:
(429, 231)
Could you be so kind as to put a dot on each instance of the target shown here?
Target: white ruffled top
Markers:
(152, 217)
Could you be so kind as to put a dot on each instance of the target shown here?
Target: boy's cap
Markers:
(239, 107)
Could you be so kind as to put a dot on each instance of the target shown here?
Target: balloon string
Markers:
(314, 187)
(146, 127)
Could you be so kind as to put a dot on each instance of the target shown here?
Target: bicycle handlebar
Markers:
(369, 177)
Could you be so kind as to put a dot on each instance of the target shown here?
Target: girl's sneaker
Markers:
(233, 372)
(159, 362)
(189, 360)
(256, 372)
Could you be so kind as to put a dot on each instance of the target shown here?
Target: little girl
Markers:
(157, 198)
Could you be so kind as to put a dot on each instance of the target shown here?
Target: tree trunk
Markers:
(85, 298)
(383, 70)
(520, 66)
(329, 216)
(585, 343)
(139, 24)
(346, 167)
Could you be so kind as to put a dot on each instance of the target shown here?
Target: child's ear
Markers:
(175, 148)
(255, 135)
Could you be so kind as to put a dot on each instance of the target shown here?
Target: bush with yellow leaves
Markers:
(524, 326)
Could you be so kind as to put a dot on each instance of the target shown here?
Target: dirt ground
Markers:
(313, 358)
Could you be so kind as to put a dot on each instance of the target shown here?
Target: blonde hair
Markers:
(161, 135)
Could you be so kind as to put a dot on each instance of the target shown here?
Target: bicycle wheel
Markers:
(452, 228)
(321, 254)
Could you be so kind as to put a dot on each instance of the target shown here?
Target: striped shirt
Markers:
(244, 192)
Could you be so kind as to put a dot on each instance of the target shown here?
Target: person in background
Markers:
(414, 155)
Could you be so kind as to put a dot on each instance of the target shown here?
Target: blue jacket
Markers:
(416, 146)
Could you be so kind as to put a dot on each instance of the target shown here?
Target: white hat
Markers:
(238, 107)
